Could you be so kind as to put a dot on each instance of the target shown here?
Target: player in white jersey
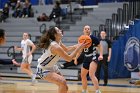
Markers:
(26, 44)
(54, 49)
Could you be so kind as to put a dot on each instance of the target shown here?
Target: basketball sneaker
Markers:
(34, 81)
(84, 91)
(60, 66)
(98, 91)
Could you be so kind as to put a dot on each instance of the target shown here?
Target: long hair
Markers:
(2, 36)
(47, 37)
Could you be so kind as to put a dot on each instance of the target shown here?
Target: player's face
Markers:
(103, 34)
(86, 30)
(59, 33)
(25, 36)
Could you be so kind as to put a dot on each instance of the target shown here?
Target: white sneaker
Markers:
(98, 91)
(34, 81)
(60, 66)
(84, 91)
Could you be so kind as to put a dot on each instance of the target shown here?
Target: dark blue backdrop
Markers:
(116, 65)
(87, 2)
(2, 2)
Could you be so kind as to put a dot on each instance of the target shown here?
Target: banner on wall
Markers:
(132, 54)
(126, 53)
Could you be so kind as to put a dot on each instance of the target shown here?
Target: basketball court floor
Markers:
(23, 85)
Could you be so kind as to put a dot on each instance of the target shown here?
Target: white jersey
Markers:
(26, 48)
(48, 59)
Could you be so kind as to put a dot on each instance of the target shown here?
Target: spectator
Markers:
(56, 12)
(27, 9)
(12, 3)
(5, 13)
(43, 17)
(18, 9)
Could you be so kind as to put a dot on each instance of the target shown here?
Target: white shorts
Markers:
(27, 59)
(43, 73)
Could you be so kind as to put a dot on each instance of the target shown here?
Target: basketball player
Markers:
(90, 62)
(2, 38)
(54, 49)
(26, 43)
(2, 41)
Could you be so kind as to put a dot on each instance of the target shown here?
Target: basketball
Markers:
(86, 39)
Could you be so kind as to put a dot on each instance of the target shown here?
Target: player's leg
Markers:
(15, 62)
(58, 80)
(92, 70)
(84, 73)
(105, 68)
(25, 65)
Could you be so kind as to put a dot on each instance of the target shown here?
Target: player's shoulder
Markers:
(28, 40)
(93, 37)
(54, 45)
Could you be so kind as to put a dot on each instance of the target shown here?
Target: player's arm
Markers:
(33, 47)
(18, 48)
(58, 50)
(101, 51)
(109, 50)
(68, 48)
(77, 56)
(109, 54)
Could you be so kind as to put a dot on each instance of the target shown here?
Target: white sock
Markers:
(84, 91)
(98, 90)
(33, 76)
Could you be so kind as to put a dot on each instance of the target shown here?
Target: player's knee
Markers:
(92, 75)
(64, 84)
(66, 87)
(22, 67)
(83, 76)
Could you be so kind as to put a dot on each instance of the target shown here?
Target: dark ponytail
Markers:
(47, 37)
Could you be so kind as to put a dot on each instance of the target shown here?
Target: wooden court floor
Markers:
(23, 85)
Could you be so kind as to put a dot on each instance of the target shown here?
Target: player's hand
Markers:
(83, 45)
(75, 61)
(139, 73)
(15, 47)
(29, 53)
(100, 57)
(108, 59)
